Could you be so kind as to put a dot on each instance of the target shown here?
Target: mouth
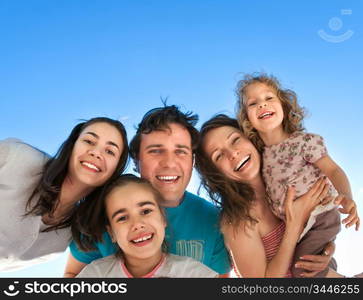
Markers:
(143, 239)
(242, 163)
(90, 166)
(168, 178)
(266, 115)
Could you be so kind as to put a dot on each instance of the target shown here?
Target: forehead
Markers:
(258, 87)
(216, 138)
(129, 195)
(175, 134)
(103, 130)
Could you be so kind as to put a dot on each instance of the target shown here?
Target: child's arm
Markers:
(341, 184)
(335, 174)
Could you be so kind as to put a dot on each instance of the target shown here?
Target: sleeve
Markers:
(82, 256)
(220, 259)
(4, 151)
(313, 148)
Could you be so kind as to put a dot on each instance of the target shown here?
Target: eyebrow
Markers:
(140, 204)
(97, 137)
(161, 145)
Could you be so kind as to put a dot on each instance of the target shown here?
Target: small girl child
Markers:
(129, 210)
(272, 119)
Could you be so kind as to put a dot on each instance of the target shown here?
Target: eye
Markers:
(88, 141)
(121, 218)
(235, 140)
(154, 151)
(108, 151)
(269, 98)
(218, 156)
(180, 151)
(146, 211)
(251, 104)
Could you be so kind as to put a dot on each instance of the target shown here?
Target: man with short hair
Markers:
(163, 149)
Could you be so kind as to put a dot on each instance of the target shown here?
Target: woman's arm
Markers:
(246, 246)
(313, 264)
(73, 267)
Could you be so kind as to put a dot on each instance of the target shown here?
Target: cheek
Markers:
(146, 167)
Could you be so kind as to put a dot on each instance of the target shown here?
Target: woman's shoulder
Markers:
(20, 160)
(245, 228)
(13, 147)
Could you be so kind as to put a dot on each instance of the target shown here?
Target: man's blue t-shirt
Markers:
(193, 231)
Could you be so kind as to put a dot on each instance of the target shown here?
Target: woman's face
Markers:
(232, 153)
(95, 155)
(136, 222)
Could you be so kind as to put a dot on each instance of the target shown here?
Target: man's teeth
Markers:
(242, 162)
(91, 166)
(144, 238)
(167, 178)
(266, 114)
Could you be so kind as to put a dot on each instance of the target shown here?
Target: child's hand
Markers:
(348, 207)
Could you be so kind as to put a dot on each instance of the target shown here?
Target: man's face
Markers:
(166, 160)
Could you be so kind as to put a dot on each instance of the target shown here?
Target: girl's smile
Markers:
(136, 222)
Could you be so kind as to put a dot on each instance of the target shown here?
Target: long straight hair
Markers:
(55, 171)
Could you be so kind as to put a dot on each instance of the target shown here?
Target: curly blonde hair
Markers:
(293, 113)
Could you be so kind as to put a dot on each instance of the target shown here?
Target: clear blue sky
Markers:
(62, 61)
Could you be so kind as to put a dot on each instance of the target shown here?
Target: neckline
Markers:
(148, 275)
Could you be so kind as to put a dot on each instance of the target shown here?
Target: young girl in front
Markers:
(272, 119)
(130, 211)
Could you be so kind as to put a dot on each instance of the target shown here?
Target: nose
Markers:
(262, 104)
(138, 225)
(168, 160)
(95, 153)
(233, 154)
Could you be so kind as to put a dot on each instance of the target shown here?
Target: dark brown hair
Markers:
(97, 224)
(159, 119)
(55, 171)
(233, 197)
(293, 113)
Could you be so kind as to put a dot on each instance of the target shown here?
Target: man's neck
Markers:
(172, 203)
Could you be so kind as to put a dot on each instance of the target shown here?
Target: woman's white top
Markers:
(21, 242)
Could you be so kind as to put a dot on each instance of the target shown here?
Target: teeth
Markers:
(144, 238)
(265, 115)
(242, 162)
(167, 178)
(91, 166)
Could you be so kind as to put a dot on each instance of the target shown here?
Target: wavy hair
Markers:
(234, 198)
(293, 113)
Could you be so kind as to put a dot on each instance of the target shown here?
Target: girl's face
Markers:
(95, 155)
(264, 108)
(136, 222)
(232, 153)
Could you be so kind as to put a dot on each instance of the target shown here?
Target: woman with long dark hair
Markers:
(41, 196)
(260, 244)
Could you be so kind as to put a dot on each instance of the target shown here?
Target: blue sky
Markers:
(62, 61)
